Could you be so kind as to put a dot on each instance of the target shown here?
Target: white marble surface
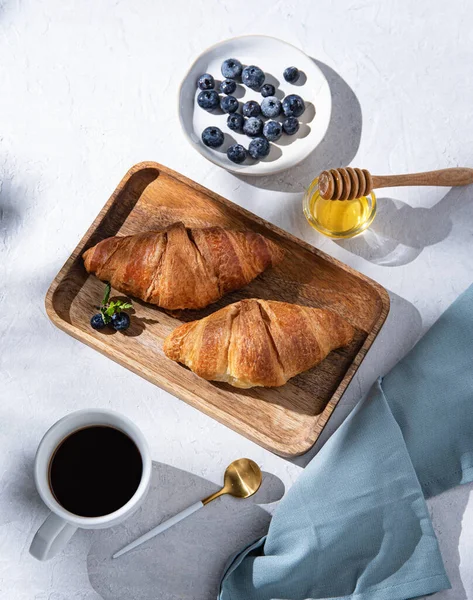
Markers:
(87, 90)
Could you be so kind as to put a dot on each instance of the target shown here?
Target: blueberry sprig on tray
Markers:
(250, 120)
(111, 313)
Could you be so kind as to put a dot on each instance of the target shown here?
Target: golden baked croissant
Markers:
(179, 267)
(257, 342)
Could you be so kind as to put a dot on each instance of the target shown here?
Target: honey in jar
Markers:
(338, 218)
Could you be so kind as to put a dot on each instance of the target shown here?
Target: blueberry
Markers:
(272, 130)
(290, 125)
(231, 68)
(271, 107)
(208, 99)
(267, 90)
(227, 86)
(291, 74)
(236, 153)
(293, 105)
(229, 104)
(97, 322)
(235, 122)
(120, 321)
(258, 148)
(252, 77)
(253, 127)
(206, 82)
(212, 137)
(251, 108)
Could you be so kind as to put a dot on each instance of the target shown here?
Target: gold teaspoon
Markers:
(242, 479)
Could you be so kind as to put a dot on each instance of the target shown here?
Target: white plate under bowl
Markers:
(273, 56)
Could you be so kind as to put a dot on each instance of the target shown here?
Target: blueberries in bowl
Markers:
(212, 137)
(291, 74)
(227, 86)
(229, 104)
(235, 122)
(206, 82)
(272, 131)
(268, 90)
(271, 107)
(251, 108)
(253, 127)
(252, 77)
(290, 125)
(293, 105)
(231, 68)
(208, 99)
(259, 148)
(237, 153)
(282, 115)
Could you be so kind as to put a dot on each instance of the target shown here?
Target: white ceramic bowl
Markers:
(273, 56)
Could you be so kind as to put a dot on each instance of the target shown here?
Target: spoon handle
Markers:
(160, 528)
(442, 177)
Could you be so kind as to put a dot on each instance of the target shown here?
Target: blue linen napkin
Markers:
(355, 524)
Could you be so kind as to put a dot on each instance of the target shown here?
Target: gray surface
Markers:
(173, 562)
(89, 90)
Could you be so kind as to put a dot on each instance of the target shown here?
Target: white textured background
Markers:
(89, 88)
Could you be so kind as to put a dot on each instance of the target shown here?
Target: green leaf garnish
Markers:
(108, 309)
(106, 318)
(106, 296)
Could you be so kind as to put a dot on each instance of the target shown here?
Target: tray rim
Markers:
(175, 388)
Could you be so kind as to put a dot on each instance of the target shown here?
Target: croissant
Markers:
(181, 268)
(257, 342)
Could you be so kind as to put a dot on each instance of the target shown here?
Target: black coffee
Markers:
(95, 471)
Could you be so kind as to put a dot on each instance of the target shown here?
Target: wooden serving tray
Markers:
(286, 420)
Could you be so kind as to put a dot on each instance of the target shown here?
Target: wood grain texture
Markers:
(285, 420)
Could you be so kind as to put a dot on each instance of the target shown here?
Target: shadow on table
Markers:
(400, 232)
(446, 512)
(398, 335)
(187, 561)
(338, 147)
(10, 216)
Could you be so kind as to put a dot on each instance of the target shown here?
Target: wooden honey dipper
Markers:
(348, 184)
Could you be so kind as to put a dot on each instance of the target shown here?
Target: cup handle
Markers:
(51, 537)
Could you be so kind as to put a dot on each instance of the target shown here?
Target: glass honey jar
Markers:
(338, 218)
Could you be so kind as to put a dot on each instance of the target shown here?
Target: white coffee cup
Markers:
(61, 524)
